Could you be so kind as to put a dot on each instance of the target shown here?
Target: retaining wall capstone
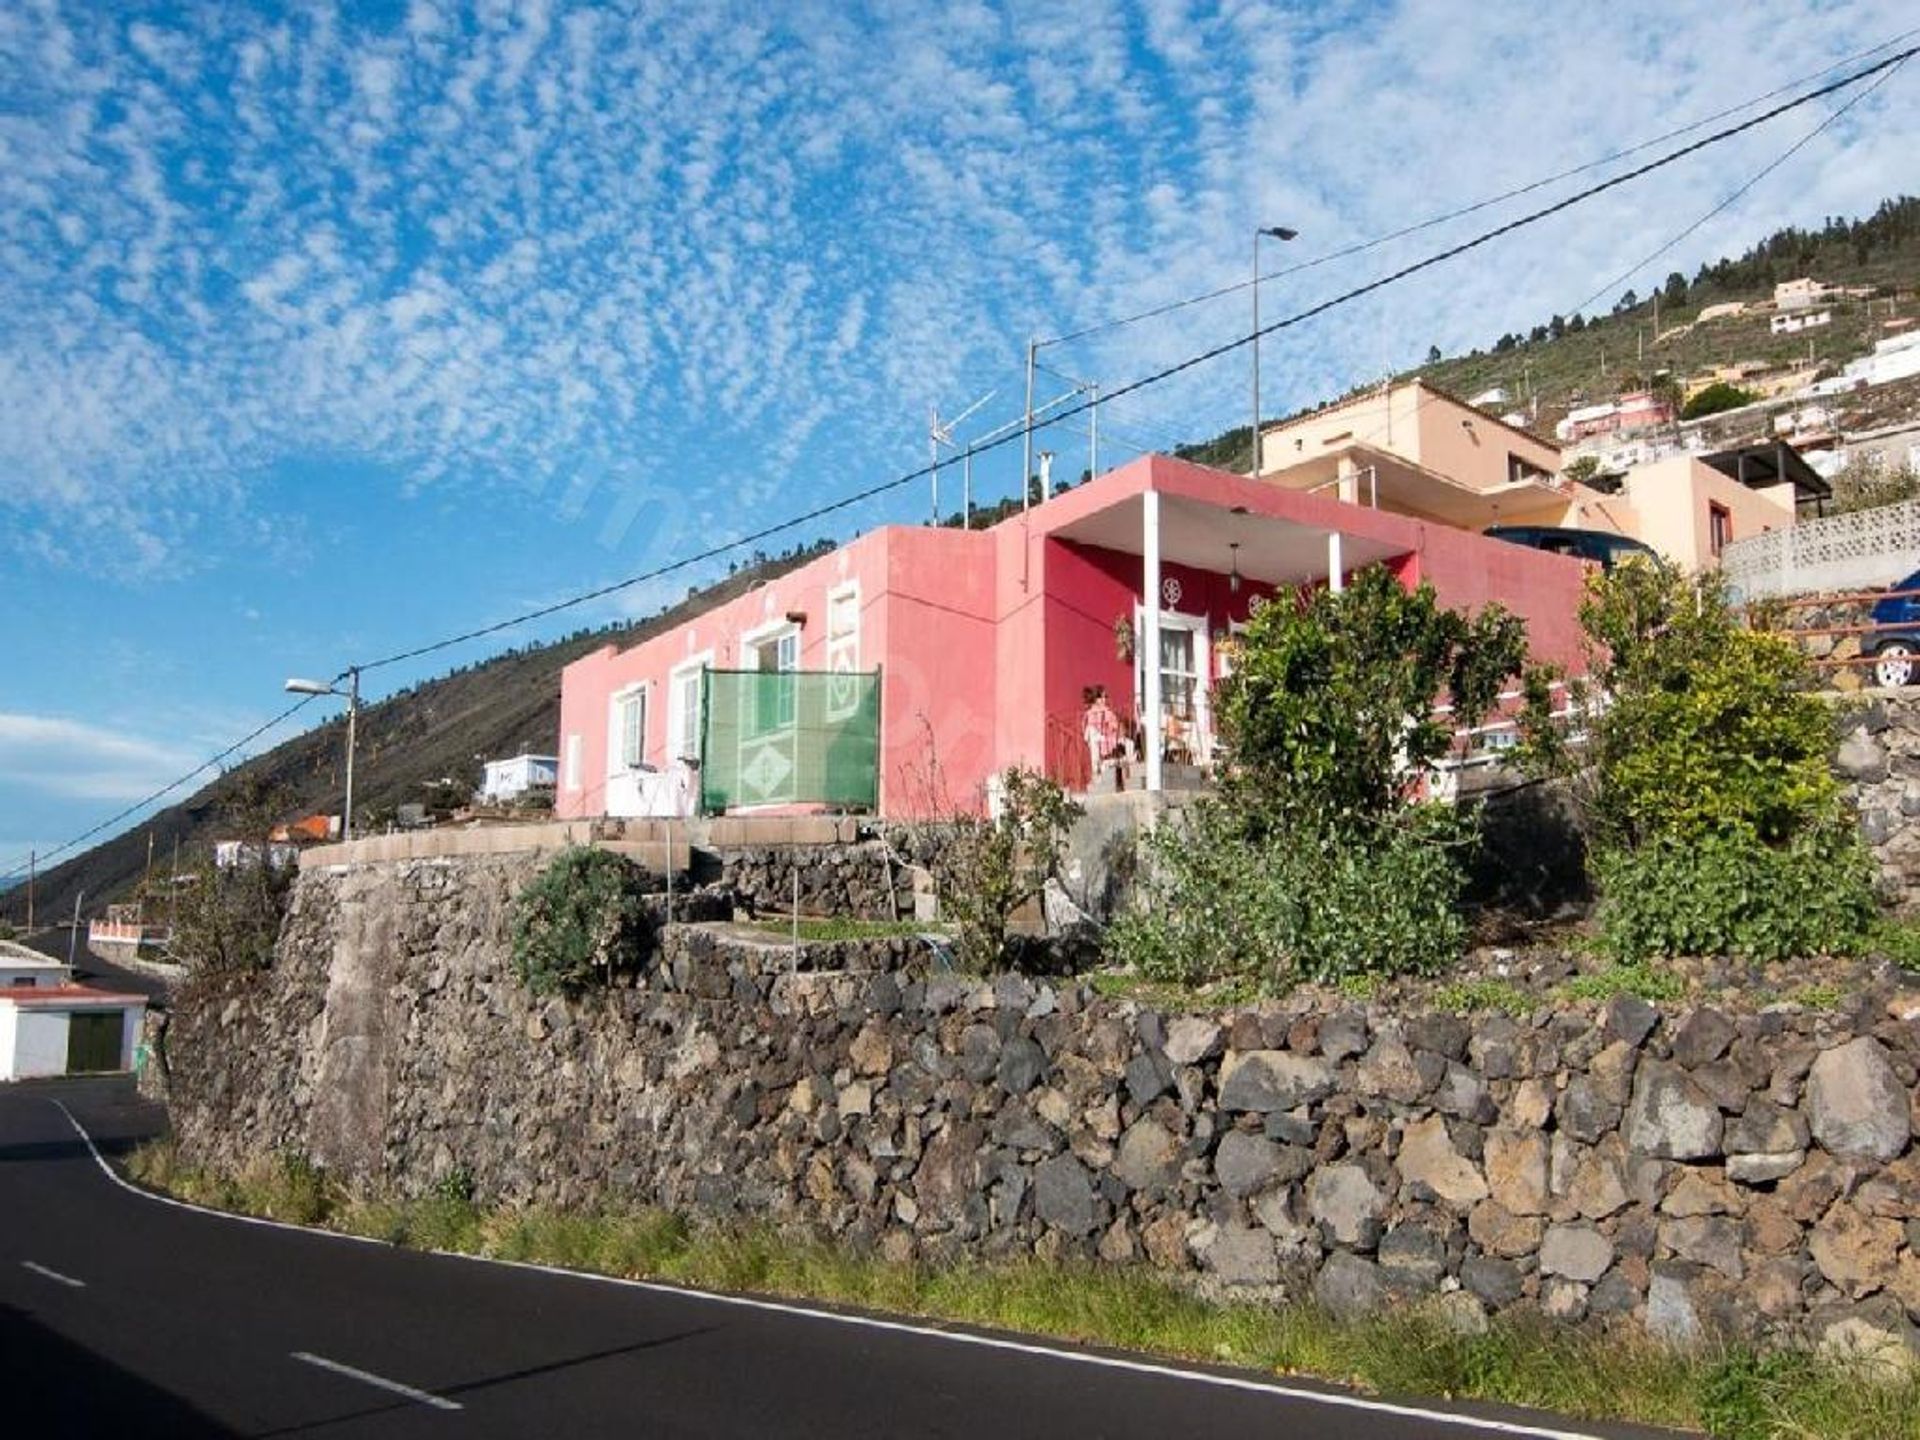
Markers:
(1697, 1169)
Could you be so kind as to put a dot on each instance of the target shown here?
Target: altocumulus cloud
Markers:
(731, 252)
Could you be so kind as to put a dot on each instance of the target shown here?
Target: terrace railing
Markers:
(1856, 551)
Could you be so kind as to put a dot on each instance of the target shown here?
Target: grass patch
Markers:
(831, 928)
(1732, 1394)
(1643, 979)
(1480, 997)
(1170, 995)
(1816, 997)
(1896, 938)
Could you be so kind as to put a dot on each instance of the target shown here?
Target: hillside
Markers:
(407, 741)
(1567, 361)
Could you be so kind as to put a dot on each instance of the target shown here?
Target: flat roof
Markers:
(66, 997)
(1769, 463)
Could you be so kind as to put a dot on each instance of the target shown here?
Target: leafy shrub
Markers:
(1717, 824)
(1331, 702)
(1715, 398)
(986, 867)
(1727, 893)
(1297, 903)
(1317, 863)
(582, 919)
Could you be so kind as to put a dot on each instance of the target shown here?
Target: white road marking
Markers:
(367, 1377)
(1158, 1369)
(53, 1275)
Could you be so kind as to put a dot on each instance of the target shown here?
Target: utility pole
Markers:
(1278, 232)
(33, 860)
(73, 935)
(933, 451)
(1026, 444)
(1093, 430)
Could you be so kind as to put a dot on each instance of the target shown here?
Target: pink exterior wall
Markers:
(985, 639)
(925, 622)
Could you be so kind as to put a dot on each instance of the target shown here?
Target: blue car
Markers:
(1895, 643)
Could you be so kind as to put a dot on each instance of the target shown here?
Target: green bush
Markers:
(580, 920)
(1728, 893)
(1298, 904)
(985, 868)
(1715, 398)
(1717, 824)
(1316, 863)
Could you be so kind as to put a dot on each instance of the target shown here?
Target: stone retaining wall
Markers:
(1879, 758)
(1694, 1168)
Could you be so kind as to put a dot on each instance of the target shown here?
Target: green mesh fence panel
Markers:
(785, 737)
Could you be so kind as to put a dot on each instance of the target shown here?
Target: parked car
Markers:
(1599, 546)
(1895, 645)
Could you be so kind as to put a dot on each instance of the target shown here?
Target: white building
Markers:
(1895, 358)
(1792, 324)
(509, 779)
(1798, 294)
(51, 1026)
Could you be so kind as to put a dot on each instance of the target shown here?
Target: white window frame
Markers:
(843, 650)
(617, 761)
(575, 749)
(681, 745)
(774, 632)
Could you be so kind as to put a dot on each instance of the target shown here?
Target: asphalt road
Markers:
(121, 1315)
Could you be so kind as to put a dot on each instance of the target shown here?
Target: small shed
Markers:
(67, 1029)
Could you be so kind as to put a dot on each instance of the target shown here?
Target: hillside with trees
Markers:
(1652, 337)
(430, 737)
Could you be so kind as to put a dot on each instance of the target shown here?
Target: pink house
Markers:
(985, 641)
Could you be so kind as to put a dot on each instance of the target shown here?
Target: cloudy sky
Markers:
(329, 328)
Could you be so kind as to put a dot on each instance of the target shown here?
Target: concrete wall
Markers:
(1672, 498)
(39, 1043)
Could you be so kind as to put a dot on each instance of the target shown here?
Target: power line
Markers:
(1154, 312)
(1486, 236)
(1131, 387)
(1156, 377)
(164, 790)
(1735, 194)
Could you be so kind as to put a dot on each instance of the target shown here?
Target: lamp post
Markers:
(1277, 232)
(352, 696)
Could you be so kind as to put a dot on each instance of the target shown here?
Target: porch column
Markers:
(1150, 725)
(1336, 571)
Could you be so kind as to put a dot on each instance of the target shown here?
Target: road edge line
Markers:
(1161, 1369)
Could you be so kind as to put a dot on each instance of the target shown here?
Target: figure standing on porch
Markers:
(1106, 736)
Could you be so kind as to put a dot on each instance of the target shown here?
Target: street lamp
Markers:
(1276, 232)
(352, 696)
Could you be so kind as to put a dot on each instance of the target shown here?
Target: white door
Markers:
(1186, 722)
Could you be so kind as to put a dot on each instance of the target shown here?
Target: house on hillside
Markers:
(1420, 452)
(912, 664)
(504, 780)
(50, 1025)
(1793, 323)
(1800, 294)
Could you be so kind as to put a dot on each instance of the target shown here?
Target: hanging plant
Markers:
(1123, 637)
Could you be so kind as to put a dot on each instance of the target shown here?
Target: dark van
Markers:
(1602, 548)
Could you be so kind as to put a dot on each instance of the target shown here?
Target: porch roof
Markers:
(1282, 534)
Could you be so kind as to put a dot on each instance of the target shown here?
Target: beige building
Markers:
(1418, 451)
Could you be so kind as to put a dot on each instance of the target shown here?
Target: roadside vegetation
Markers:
(1715, 824)
(1732, 1393)
(1315, 862)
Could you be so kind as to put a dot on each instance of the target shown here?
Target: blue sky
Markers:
(328, 329)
